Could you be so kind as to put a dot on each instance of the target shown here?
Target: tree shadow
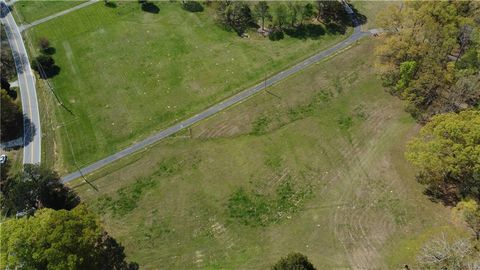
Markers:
(312, 31)
(4, 10)
(49, 71)
(29, 130)
(336, 28)
(111, 4)
(49, 51)
(359, 18)
(150, 7)
(27, 134)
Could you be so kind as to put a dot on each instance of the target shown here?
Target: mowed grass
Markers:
(26, 11)
(126, 73)
(315, 165)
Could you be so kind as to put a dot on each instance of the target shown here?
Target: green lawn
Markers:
(126, 73)
(27, 11)
(314, 166)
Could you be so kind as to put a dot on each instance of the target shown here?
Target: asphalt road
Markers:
(357, 34)
(26, 81)
(46, 19)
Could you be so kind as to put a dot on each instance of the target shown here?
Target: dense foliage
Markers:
(60, 240)
(235, 15)
(294, 261)
(447, 151)
(284, 16)
(430, 55)
(36, 187)
(11, 118)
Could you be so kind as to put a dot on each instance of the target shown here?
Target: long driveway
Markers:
(357, 34)
(51, 17)
(32, 138)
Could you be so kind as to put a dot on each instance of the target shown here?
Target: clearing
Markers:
(314, 165)
(126, 73)
(30, 11)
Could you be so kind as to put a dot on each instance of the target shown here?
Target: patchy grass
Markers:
(371, 9)
(28, 11)
(125, 73)
(242, 201)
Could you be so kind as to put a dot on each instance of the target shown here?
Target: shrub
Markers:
(192, 6)
(276, 34)
(44, 43)
(294, 261)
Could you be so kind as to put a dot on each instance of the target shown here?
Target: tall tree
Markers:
(294, 12)
(440, 38)
(306, 12)
(471, 213)
(294, 261)
(235, 15)
(280, 15)
(37, 187)
(447, 152)
(60, 240)
(261, 12)
(330, 11)
(11, 118)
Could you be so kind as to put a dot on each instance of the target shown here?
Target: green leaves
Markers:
(448, 150)
(59, 240)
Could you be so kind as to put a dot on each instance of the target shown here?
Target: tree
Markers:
(280, 15)
(330, 11)
(261, 12)
(294, 11)
(44, 43)
(235, 15)
(7, 64)
(447, 152)
(37, 187)
(471, 213)
(306, 12)
(443, 254)
(294, 261)
(60, 240)
(441, 39)
(11, 118)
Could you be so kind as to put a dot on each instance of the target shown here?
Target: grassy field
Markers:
(315, 165)
(125, 73)
(370, 9)
(28, 11)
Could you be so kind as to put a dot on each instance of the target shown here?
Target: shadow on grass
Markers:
(312, 31)
(110, 4)
(150, 7)
(49, 51)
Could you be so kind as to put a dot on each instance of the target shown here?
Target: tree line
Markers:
(429, 56)
(275, 18)
(47, 226)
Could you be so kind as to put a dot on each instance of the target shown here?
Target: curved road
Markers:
(357, 34)
(26, 81)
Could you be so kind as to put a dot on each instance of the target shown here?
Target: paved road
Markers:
(26, 82)
(46, 19)
(357, 34)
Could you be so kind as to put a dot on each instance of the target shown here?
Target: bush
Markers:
(44, 43)
(294, 261)
(192, 6)
(276, 34)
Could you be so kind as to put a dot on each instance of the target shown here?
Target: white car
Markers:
(3, 159)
